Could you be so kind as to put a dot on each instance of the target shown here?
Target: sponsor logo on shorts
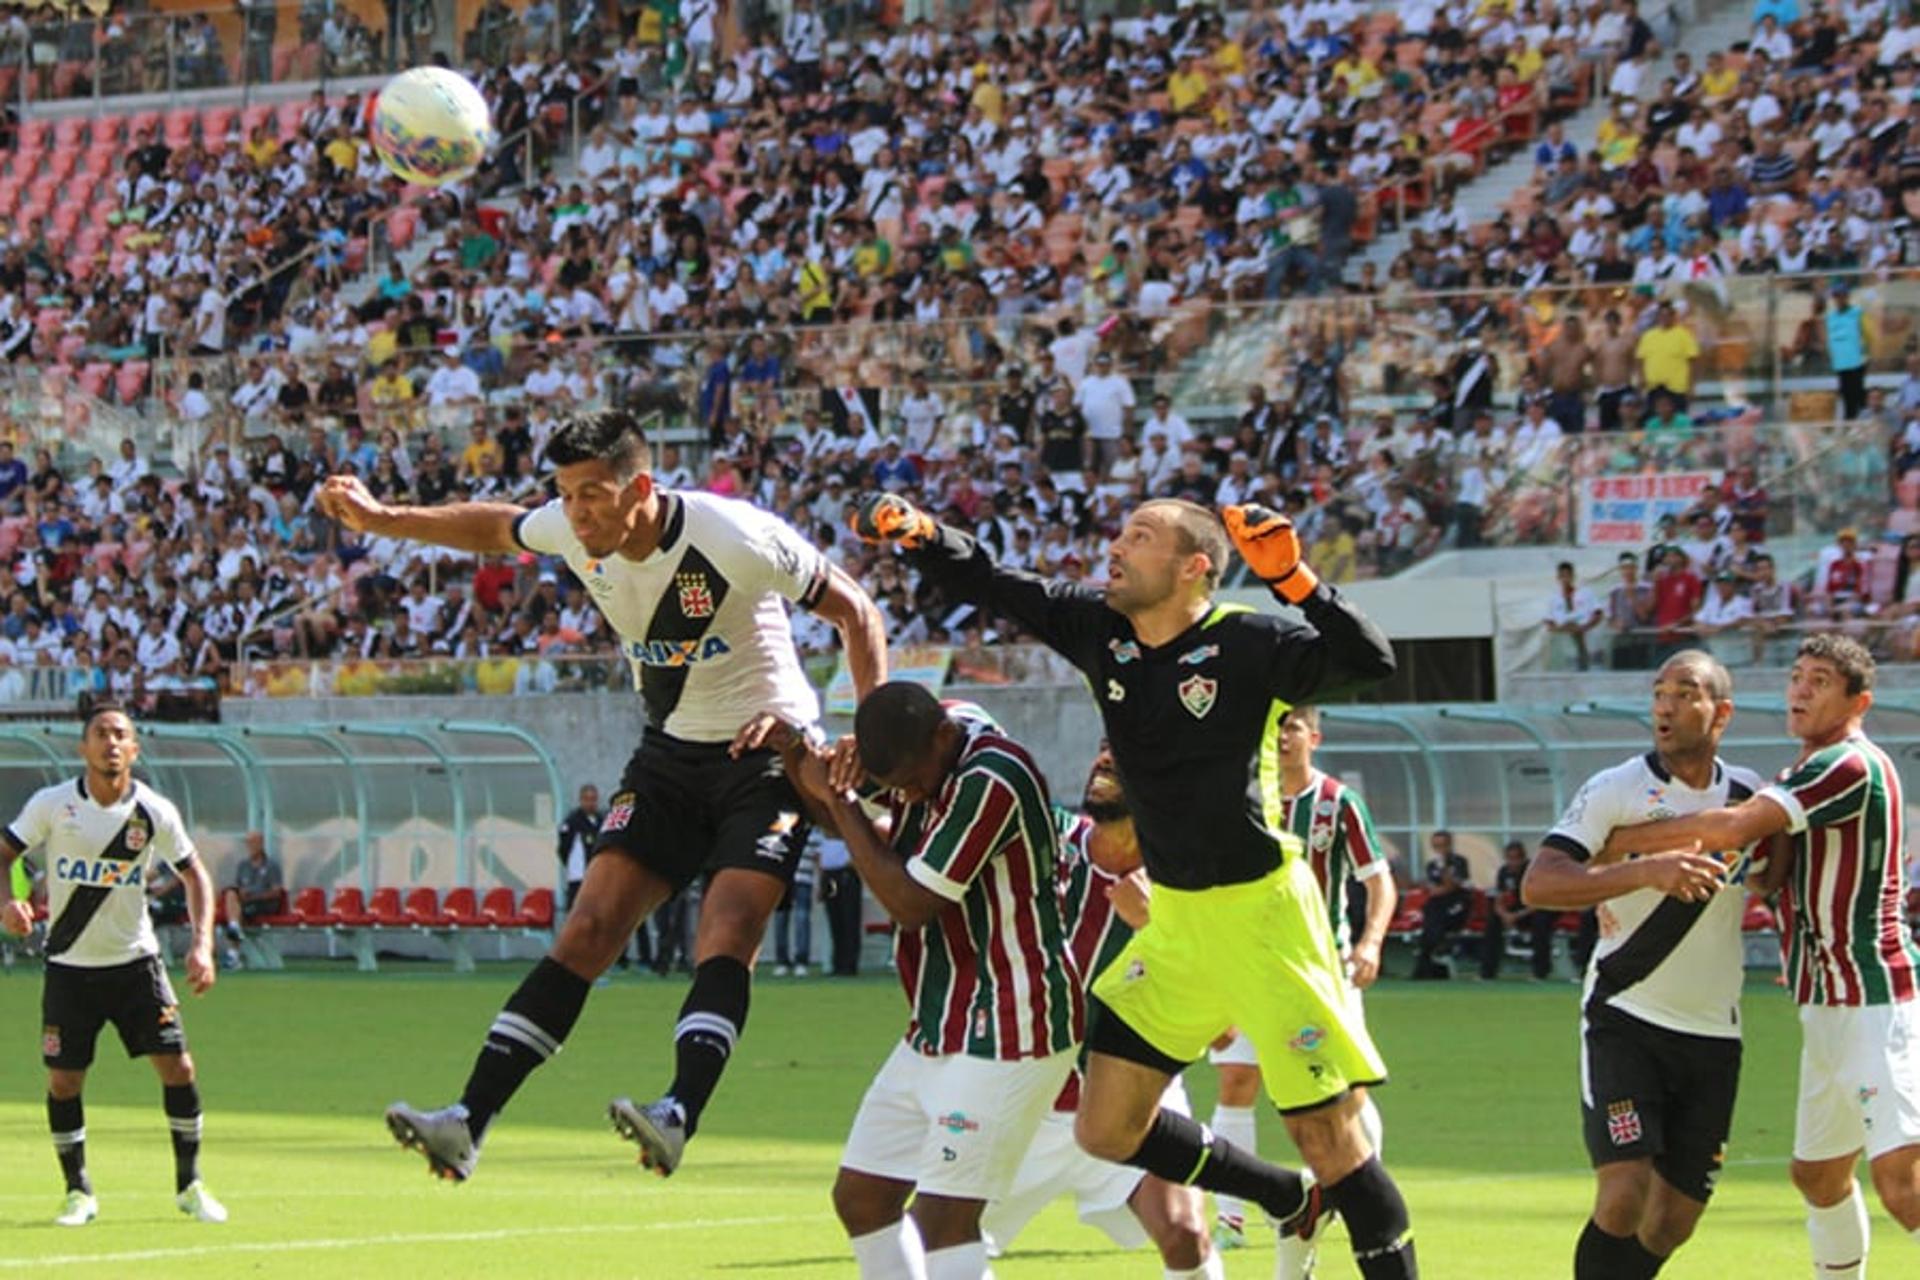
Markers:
(772, 845)
(1194, 657)
(1867, 1094)
(1124, 651)
(1197, 694)
(619, 813)
(1309, 1040)
(957, 1122)
(50, 1042)
(1623, 1123)
(949, 1155)
(1116, 692)
(169, 1015)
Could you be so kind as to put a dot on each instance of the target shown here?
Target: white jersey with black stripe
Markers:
(1675, 964)
(97, 859)
(703, 618)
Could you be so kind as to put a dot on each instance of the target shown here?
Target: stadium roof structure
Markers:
(351, 784)
(1508, 772)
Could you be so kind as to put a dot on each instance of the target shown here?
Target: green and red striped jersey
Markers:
(1095, 931)
(1332, 820)
(1844, 904)
(991, 976)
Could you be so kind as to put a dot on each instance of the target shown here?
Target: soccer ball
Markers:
(431, 126)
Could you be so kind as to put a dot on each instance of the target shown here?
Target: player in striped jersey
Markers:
(965, 862)
(1334, 825)
(1851, 960)
(1104, 898)
(100, 837)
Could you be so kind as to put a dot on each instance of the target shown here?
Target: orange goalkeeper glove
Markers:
(1269, 544)
(887, 517)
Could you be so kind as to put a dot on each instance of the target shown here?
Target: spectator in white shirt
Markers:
(920, 413)
(157, 649)
(452, 385)
(1724, 609)
(1172, 427)
(1573, 611)
(1105, 400)
(127, 469)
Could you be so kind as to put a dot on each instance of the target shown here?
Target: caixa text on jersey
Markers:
(677, 653)
(104, 871)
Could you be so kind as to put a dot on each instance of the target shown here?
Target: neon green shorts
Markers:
(1260, 957)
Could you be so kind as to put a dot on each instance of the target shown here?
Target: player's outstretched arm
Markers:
(1557, 881)
(484, 528)
(1068, 617)
(1735, 827)
(1340, 648)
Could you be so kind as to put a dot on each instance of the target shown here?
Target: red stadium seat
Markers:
(461, 909)
(68, 131)
(310, 908)
(350, 908)
(33, 134)
(423, 908)
(385, 908)
(1758, 917)
(288, 119)
(536, 909)
(131, 381)
(497, 907)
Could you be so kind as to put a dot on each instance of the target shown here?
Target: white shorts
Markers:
(1240, 1052)
(953, 1126)
(1055, 1166)
(1859, 1080)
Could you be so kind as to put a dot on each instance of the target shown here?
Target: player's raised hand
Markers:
(200, 970)
(1686, 874)
(766, 730)
(883, 518)
(1270, 545)
(844, 769)
(346, 499)
(17, 920)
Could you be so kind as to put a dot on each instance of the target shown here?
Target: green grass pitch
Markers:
(1481, 1130)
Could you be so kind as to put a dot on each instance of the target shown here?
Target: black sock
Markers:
(1377, 1223)
(182, 1102)
(1180, 1150)
(67, 1119)
(1600, 1256)
(233, 932)
(528, 1030)
(711, 1018)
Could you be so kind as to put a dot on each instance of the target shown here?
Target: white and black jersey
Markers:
(703, 619)
(97, 859)
(1678, 965)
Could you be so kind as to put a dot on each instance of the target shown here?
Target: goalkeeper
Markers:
(1192, 694)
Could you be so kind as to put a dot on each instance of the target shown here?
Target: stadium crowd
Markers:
(1007, 201)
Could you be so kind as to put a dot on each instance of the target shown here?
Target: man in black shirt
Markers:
(1506, 911)
(1192, 695)
(1449, 902)
(1062, 428)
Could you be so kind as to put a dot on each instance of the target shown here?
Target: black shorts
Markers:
(688, 808)
(255, 910)
(135, 997)
(1651, 1093)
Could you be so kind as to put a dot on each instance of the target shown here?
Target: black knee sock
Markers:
(182, 1102)
(1377, 1223)
(67, 1119)
(528, 1030)
(710, 1021)
(1600, 1256)
(1183, 1151)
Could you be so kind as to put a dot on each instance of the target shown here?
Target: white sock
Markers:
(1838, 1235)
(1292, 1259)
(891, 1253)
(959, 1262)
(1236, 1125)
(1211, 1269)
(1370, 1123)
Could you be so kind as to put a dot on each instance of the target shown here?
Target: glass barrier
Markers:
(181, 47)
(972, 664)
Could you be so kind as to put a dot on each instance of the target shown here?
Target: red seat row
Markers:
(416, 908)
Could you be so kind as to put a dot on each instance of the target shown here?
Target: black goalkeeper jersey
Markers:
(1194, 723)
